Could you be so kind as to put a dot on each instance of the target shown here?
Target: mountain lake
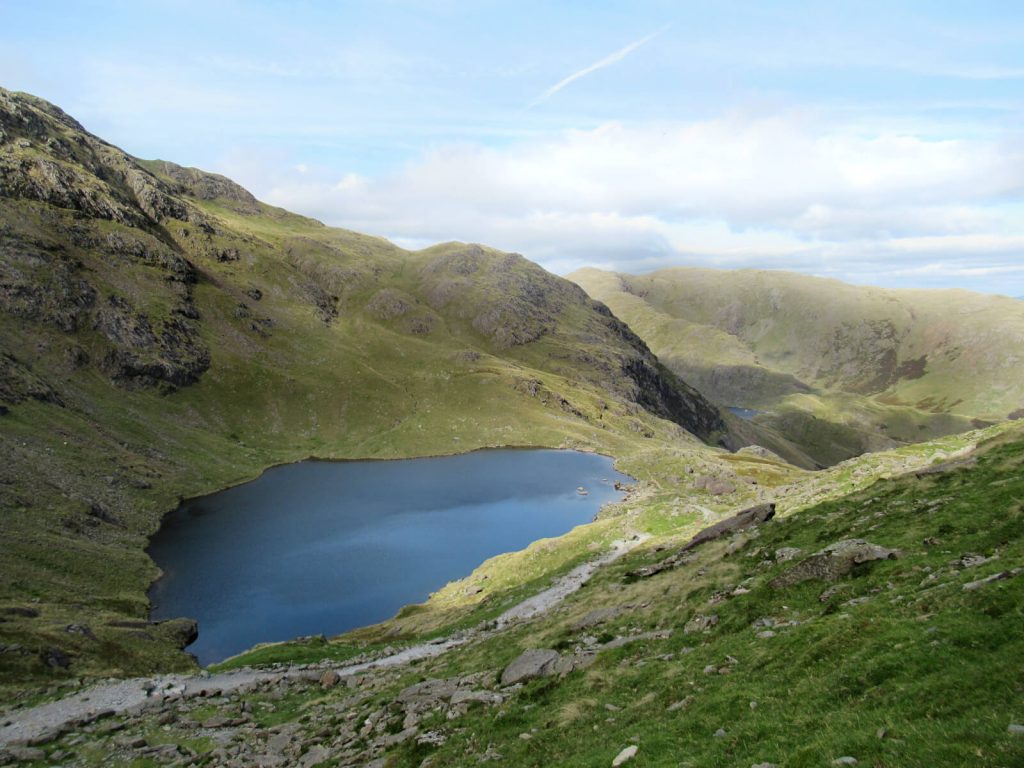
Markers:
(325, 546)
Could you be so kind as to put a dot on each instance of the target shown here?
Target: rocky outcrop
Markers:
(748, 518)
(206, 186)
(544, 662)
(183, 632)
(142, 355)
(741, 521)
(18, 384)
(537, 662)
(833, 562)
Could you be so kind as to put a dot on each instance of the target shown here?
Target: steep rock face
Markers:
(513, 303)
(204, 185)
(83, 249)
(107, 245)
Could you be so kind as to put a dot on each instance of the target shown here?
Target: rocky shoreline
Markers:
(112, 713)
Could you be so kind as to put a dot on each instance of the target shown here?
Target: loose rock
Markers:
(833, 562)
(625, 755)
(538, 662)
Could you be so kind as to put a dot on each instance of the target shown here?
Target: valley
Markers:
(823, 515)
(836, 368)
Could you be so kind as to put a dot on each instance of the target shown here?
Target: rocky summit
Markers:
(831, 575)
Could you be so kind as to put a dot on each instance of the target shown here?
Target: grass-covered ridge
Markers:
(839, 369)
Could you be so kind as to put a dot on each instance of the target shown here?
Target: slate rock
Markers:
(833, 562)
(700, 623)
(1002, 575)
(537, 662)
(26, 754)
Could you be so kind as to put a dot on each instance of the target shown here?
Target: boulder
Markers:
(184, 632)
(537, 662)
(973, 585)
(786, 554)
(55, 658)
(748, 518)
(625, 755)
(599, 616)
(427, 694)
(479, 697)
(833, 562)
(700, 623)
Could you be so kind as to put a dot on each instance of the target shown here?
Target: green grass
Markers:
(837, 369)
(895, 664)
(935, 668)
(294, 652)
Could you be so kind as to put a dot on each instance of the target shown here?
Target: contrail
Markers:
(619, 55)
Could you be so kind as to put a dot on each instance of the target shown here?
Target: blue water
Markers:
(744, 413)
(329, 546)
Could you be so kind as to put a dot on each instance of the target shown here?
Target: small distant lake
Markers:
(744, 413)
(329, 546)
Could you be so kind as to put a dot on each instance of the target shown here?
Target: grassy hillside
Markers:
(755, 648)
(163, 334)
(839, 369)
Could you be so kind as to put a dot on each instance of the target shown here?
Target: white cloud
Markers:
(742, 190)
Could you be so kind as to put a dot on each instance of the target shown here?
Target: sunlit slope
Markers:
(840, 368)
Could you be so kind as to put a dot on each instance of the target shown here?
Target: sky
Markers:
(875, 142)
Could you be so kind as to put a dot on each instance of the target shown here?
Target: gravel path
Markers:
(42, 723)
(565, 586)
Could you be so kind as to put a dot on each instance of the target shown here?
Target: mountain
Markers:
(164, 334)
(839, 369)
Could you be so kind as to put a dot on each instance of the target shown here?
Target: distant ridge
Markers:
(842, 369)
